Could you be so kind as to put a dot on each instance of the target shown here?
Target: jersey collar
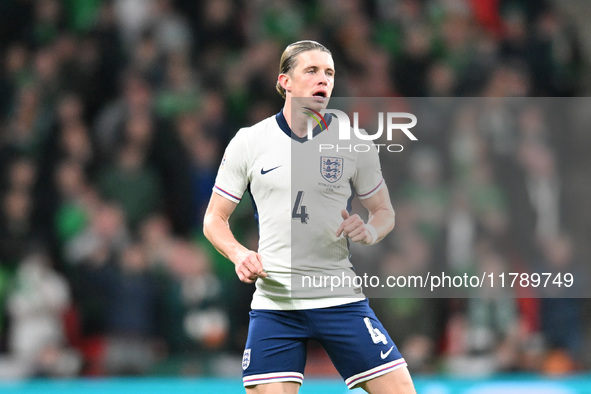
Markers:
(282, 123)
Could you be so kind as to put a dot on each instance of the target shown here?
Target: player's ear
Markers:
(285, 82)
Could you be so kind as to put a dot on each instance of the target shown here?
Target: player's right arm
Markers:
(248, 264)
(230, 184)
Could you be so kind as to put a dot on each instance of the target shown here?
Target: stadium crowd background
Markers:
(114, 116)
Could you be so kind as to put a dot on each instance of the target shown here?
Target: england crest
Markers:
(331, 168)
(246, 359)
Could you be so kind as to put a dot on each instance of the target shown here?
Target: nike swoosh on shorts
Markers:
(384, 355)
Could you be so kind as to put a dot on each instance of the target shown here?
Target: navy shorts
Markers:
(357, 343)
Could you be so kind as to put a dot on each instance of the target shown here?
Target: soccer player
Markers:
(301, 196)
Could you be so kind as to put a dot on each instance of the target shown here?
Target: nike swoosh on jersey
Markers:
(263, 171)
(384, 355)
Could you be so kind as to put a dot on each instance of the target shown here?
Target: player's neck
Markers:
(297, 124)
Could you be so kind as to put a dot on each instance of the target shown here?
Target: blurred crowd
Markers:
(113, 118)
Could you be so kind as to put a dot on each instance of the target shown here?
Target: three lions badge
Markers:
(331, 168)
(246, 359)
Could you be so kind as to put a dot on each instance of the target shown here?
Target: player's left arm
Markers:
(379, 224)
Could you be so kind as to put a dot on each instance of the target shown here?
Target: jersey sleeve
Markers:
(232, 177)
(368, 179)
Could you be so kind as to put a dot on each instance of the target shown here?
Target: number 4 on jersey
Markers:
(299, 211)
(376, 335)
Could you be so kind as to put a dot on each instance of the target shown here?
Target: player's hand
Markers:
(353, 228)
(249, 266)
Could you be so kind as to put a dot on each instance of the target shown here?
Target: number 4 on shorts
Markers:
(376, 335)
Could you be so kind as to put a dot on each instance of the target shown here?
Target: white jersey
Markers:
(299, 193)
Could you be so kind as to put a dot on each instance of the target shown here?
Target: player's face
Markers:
(313, 76)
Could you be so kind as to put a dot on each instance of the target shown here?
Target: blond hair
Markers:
(290, 54)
